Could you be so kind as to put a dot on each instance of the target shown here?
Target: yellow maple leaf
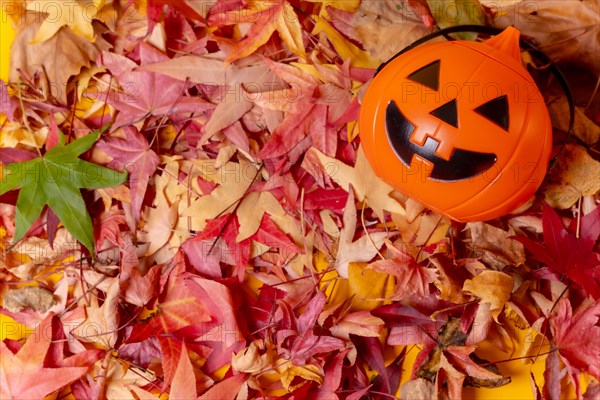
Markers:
(268, 369)
(264, 16)
(77, 15)
(367, 186)
(347, 50)
(290, 30)
(102, 322)
(233, 179)
(369, 288)
(13, 134)
(491, 287)
(161, 221)
(291, 371)
(253, 359)
(361, 250)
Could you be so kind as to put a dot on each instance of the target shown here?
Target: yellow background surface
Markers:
(519, 388)
(6, 38)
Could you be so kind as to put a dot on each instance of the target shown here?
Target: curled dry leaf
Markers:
(494, 245)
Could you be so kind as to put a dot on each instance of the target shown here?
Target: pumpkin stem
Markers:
(508, 42)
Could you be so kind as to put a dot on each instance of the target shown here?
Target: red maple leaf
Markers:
(227, 389)
(178, 308)
(133, 154)
(298, 337)
(294, 128)
(332, 379)
(137, 289)
(144, 94)
(566, 254)
(156, 8)
(411, 277)
(307, 117)
(370, 350)
(184, 381)
(577, 337)
(226, 227)
(265, 22)
(206, 249)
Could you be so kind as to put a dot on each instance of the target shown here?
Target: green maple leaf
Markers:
(56, 179)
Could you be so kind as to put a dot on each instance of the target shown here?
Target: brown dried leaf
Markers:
(450, 280)
(460, 359)
(574, 175)
(494, 245)
(386, 27)
(33, 297)
(566, 30)
(584, 128)
(417, 389)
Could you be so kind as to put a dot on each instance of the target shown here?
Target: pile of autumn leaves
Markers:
(238, 242)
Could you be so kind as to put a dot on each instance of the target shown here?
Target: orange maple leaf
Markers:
(23, 374)
(266, 16)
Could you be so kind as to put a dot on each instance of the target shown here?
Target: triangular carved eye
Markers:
(496, 110)
(447, 113)
(428, 75)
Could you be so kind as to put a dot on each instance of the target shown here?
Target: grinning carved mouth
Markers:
(463, 164)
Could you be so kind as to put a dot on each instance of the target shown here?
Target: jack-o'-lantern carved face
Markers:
(459, 126)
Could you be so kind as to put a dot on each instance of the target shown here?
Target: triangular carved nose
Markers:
(447, 113)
